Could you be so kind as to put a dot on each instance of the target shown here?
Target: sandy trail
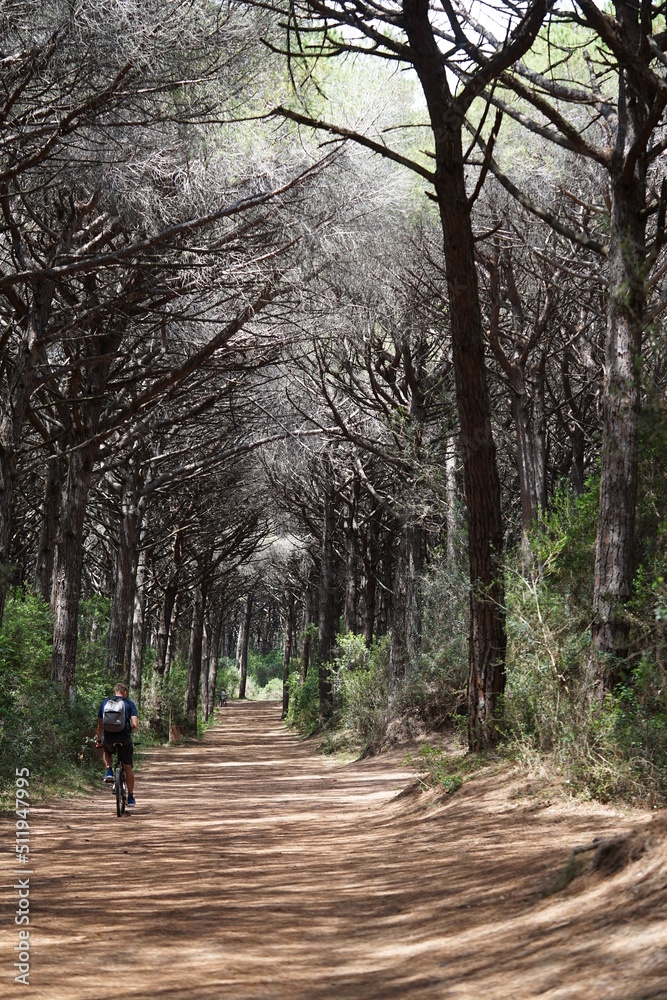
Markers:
(251, 869)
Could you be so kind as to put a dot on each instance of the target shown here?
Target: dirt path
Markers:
(251, 869)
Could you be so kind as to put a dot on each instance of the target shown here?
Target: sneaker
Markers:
(131, 801)
(108, 777)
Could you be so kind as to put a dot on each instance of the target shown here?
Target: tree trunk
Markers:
(306, 650)
(68, 562)
(486, 675)
(49, 529)
(406, 607)
(19, 380)
(172, 641)
(626, 308)
(452, 497)
(205, 655)
(195, 655)
(351, 570)
(620, 443)
(529, 423)
(242, 646)
(139, 624)
(164, 632)
(369, 558)
(214, 652)
(328, 619)
(287, 652)
(122, 592)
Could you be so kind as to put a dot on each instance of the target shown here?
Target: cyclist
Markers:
(126, 751)
(222, 699)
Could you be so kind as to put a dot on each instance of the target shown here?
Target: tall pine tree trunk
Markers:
(328, 618)
(49, 529)
(122, 591)
(486, 674)
(139, 624)
(18, 384)
(306, 650)
(406, 605)
(242, 646)
(213, 654)
(195, 655)
(351, 529)
(626, 309)
(287, 652)
(68, 563)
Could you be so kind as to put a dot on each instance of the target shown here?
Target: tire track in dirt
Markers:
(253, 870)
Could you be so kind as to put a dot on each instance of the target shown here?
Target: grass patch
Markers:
(442, 769)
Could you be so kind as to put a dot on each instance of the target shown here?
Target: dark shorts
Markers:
(125, 751)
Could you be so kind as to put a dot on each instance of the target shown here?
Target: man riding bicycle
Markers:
(116, 720)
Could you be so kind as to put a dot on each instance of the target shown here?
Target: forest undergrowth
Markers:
(552, 720)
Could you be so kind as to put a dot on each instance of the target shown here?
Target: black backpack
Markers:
(114, 717)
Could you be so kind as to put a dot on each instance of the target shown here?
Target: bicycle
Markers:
(119, 788)
(119, 784)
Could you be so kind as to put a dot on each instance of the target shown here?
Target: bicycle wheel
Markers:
(123, 789)
(118, 789)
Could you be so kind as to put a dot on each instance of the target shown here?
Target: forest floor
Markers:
(252, 869)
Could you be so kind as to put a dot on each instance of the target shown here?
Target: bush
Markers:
(304, 702)
(172, 702)
(361, 687)
(272, 691)
(615, 748)
(38, 728)
(263, 669)
(439, 688)
(228, 677)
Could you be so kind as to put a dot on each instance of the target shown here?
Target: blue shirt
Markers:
(130, 710)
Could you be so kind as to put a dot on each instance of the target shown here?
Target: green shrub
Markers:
(439, 688)
(304, 702)
(228, 677)
(38, 728)
(173, 693)
(361, 687)
(272, 691)
(263, 669)
(614, 748)
(443, 769)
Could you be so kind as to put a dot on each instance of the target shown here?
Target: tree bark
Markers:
(306, 650)
(68, 563)
(139, 624)
(486, 675)
(626, 309)
(205, 656)
(369, 563)
(406, 605)
(620, 435)
(328, 618)
(287, 652)
(351, 570)
(125, 555)
(49, 529)
(165, 624)
(214, 653)
(195, 655)
(19, 383)
(242, 646)
(530, 426)
(452, 496)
